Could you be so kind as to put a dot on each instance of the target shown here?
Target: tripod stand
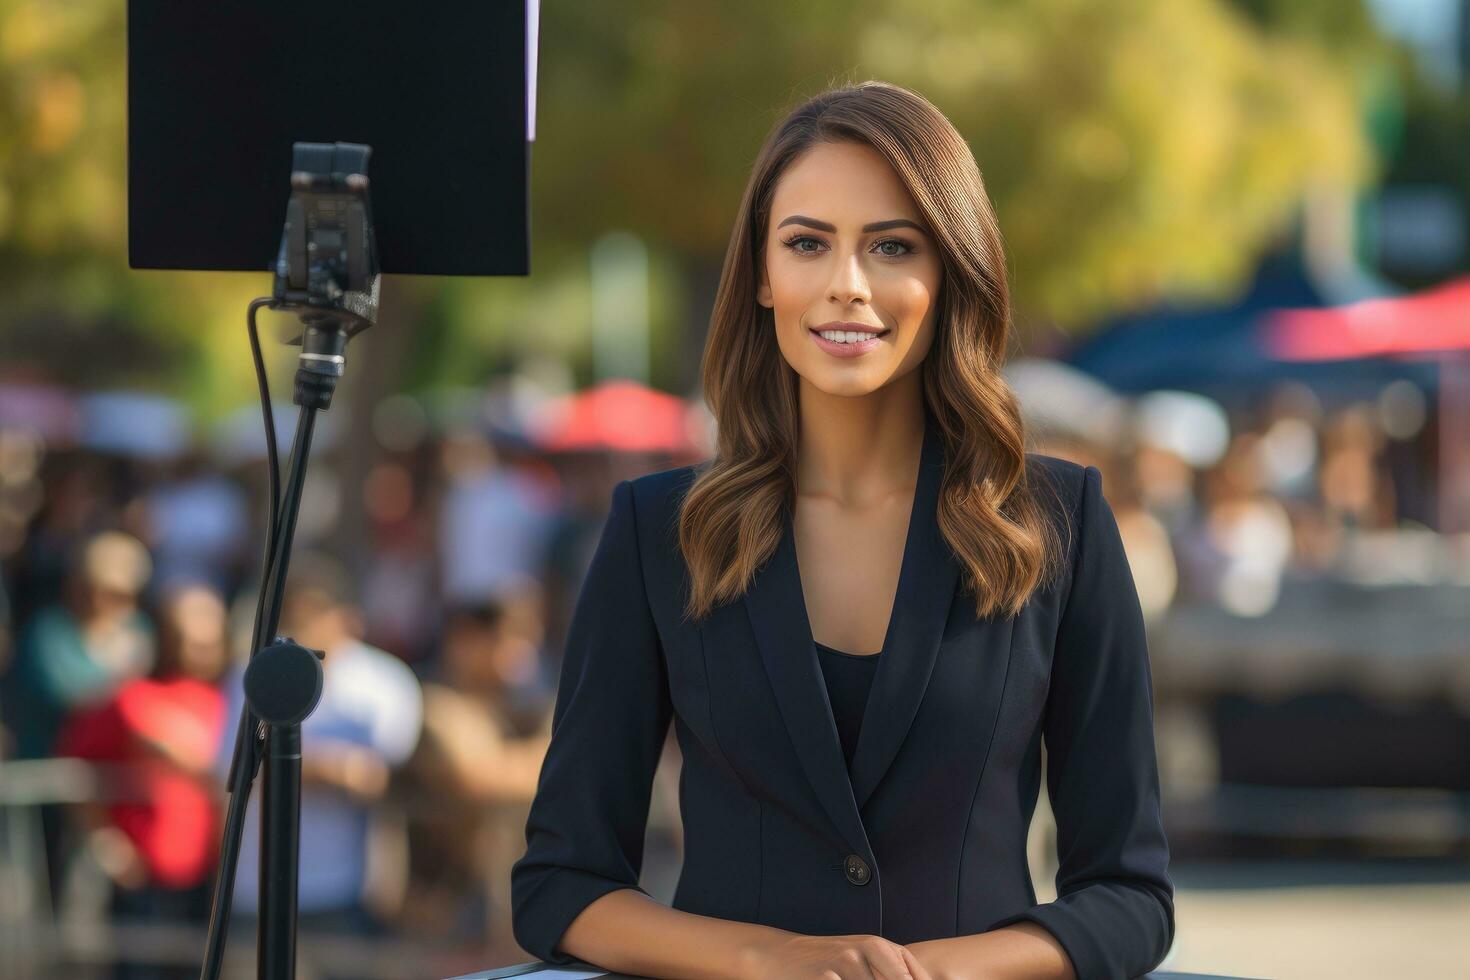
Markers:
(327, 273)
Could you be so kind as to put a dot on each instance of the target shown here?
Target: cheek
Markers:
(911, 298)
(792, 284)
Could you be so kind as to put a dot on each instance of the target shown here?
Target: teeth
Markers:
(845, 336)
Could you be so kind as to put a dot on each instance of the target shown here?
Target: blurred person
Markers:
(1356, 491)
(74, 506)
(196, 523)
(528, 685)
(589, 480)
(494, 520)
(7, 634)
(1316, 541)
(1238, 553)
(158, 736)
(1289, 443)
(1166, 485)
(1353, 490)
(79, 650)
(468, 759)
(22, 452)
(366, 724)
(1145, 539)
(401, 580)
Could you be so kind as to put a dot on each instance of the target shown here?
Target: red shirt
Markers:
(172, 817)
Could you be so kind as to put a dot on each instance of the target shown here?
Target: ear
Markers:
(763, 288)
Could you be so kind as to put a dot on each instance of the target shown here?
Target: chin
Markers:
(833, 383)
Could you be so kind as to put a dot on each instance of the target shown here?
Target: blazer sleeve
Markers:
(586, 825)
(1114, 911)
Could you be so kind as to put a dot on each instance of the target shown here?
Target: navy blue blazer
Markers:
(925, 838)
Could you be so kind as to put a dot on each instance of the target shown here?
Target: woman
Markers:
(158, 837)
(77, 651)
(472, 764)
(853, 369)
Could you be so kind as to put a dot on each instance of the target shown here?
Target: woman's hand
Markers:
(858, 957)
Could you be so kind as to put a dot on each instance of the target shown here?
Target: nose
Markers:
(849, 282)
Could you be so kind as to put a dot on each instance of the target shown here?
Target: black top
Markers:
(849, 677)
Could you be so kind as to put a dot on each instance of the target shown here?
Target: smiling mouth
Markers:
(849, 336)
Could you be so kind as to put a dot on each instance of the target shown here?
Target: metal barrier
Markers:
(42, 934)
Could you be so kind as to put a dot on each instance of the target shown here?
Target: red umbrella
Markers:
(1435, 320)
(617, 415)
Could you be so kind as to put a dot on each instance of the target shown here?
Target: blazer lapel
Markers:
(778, 617)
(927, 581)
(777, 609)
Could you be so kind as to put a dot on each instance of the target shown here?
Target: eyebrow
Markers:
(801, 219)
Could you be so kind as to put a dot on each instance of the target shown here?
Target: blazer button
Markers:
(856, 869)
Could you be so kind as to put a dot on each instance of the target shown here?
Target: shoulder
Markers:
(1068, 491)
(52, 618)
(1064, 479)
(656, 497)
(654, 502)
(376, 669)
(664, 488)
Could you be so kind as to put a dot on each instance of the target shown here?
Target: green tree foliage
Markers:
(64, 282)
(62, 137)
(1132, 148)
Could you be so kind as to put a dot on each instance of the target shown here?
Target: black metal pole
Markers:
(280, 804)
(280, 815)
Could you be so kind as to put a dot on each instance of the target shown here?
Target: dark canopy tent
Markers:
(1217, 350)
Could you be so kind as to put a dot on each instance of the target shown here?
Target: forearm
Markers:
(511, 777)
(195, 762)
(627, 932)
(1024, 951)
(351, 769)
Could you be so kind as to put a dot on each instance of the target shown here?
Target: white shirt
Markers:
(369, 698)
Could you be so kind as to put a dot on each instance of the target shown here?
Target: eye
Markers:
(899, 242)
(791, 243)
(794, 243)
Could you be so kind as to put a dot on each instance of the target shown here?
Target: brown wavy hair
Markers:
(731, 517)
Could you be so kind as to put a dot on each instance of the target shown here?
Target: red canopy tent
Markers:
(1433, 323)
(618, 416)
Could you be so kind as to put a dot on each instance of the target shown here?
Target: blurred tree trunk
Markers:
(703, 274)
(376, 360)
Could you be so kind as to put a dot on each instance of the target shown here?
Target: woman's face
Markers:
(846, 244)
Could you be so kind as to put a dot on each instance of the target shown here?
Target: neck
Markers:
(858, 449)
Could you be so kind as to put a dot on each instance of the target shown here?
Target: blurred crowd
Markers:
(1228, 508)
(129, 593)
(130, 586)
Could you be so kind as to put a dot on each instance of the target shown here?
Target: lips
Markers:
(857, 348)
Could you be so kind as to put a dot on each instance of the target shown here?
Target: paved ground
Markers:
(1306, 920)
